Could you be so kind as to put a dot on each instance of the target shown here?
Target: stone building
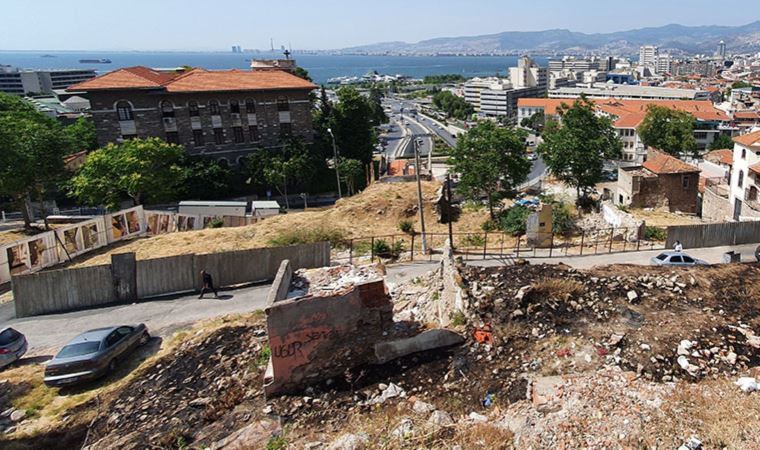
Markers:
(221, 114)
(662, 181)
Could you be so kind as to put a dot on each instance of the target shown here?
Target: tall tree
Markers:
(205, 178)
(282, 168)
(350, 171)
(353, 125)
(376, 104)
(490, 161)
(144, 170)
(576, 147)
(82, 135)
(32, 147)
(300, 72)
(452, 105)
(668, 130)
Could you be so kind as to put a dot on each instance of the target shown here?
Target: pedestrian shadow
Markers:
(33, 360)
(225, 297)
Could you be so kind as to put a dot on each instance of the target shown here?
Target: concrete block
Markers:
(427, 340)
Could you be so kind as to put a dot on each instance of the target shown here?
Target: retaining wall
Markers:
(70, 289)
(714, 234)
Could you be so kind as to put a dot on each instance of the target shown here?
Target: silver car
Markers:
(12, 346)
(678, 259)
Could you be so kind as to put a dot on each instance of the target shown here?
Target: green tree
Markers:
(442, 79)
(721, 141)
(490, 161)
(352, 123)
(668, 130)
(205, 178)
(452, 105)
(81, 135)
(350, 171)
(32, 147)
(376, 105)
(740, 84)
(145, 170)
(300, 72)
(535, 122)
(576, 147)
(294, 162)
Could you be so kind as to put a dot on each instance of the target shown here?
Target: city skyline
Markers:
(192, 25)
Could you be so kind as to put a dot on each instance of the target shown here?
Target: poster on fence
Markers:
(160, 222)
(27, 255)
(125, 223)
(81, 237)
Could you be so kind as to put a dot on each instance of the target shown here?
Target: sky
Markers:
(208, 25)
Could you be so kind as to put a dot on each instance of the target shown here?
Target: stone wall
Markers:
(716, 207)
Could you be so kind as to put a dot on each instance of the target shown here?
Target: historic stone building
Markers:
(222, 114)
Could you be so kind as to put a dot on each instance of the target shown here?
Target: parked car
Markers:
(528, 203)
(676, 259)
(609, 175)
(13, 346)
(532, 156)
(94, 353)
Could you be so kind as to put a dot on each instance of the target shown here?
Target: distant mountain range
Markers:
(677, 39)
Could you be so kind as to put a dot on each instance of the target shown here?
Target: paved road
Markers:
(46, 334)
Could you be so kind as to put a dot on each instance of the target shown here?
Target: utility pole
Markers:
(335, 158)
(419, 191)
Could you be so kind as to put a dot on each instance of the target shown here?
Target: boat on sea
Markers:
(95, 61)
(47, 56)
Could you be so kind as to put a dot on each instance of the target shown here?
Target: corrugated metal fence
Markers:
(70, 289)
(714, 234)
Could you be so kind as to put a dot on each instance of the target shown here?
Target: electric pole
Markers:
(449, 210)
(335, 158)
(416, 142)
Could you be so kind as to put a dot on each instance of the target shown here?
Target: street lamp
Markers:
(335, 157)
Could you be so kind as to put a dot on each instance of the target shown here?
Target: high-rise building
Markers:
(648, 55)
(664, 64)
(497, 97)
(25, 81)
(722, 49)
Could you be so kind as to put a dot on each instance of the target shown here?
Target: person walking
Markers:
(678, 247)
(208, 284)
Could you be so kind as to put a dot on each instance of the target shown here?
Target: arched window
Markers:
(241, 161)
(124, 110)
(167, 109)
(223, 162)
(282, 104)
(740, 181)
(213, 107)
(744, 153)
(250, 106)
(234, 107)
(193, 108)
(752, 194)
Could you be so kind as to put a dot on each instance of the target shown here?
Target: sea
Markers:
(321, 67)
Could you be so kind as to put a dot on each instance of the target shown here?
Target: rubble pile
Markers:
(417, 299)
(198, 393)
(331, 280)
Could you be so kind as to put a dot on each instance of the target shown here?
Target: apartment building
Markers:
(25, 81)
(745, 177)
(497, 97)
(648, 55)
(224, 114)
(629, 92)
(627, 115)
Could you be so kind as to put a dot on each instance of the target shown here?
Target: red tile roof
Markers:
(662, 163)
(749, 140)
(195, 80)
(755, 168)
(747, 115)
(721, 156)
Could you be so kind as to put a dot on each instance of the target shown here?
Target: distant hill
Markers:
(677, 39)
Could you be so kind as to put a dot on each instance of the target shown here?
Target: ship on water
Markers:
(95, 61)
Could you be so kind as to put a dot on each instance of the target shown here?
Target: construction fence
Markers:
(62, 290)
(714, 234)
(492, 245)
(63, 243)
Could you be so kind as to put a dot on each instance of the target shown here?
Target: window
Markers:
(676, 259)
(193, 108)
(286, 129)
(752, 194)
(9, 336)
(213, 107)
(250, 106)
(124, 330)
(198, 138)
(234, 107)
(238, 134)
(82, 348)
(688, 259)
(113, 338)
(223, 162)
(172, 137)
(253, 130)
(241, 160)
(740, 180)
(685, 181)
(218, 136)
(167, 109)
(282, 104)
(744, 153)
(124, 110)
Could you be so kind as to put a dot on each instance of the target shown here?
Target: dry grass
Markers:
(558, 288)
(716, 411)
(376, 211)
(664, 218)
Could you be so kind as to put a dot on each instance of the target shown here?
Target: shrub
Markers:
(514, 220)
(406, 226)
(383, 250)
(489, 226)
(655, 233)
(562, 218)
(458, 318)
(297, 236)
(216, 222)
(277, 443)
(473, 240)
(262, 359)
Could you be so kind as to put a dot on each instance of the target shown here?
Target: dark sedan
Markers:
(12, 346)
(93, 354)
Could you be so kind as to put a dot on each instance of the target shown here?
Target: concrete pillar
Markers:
(124, 276)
